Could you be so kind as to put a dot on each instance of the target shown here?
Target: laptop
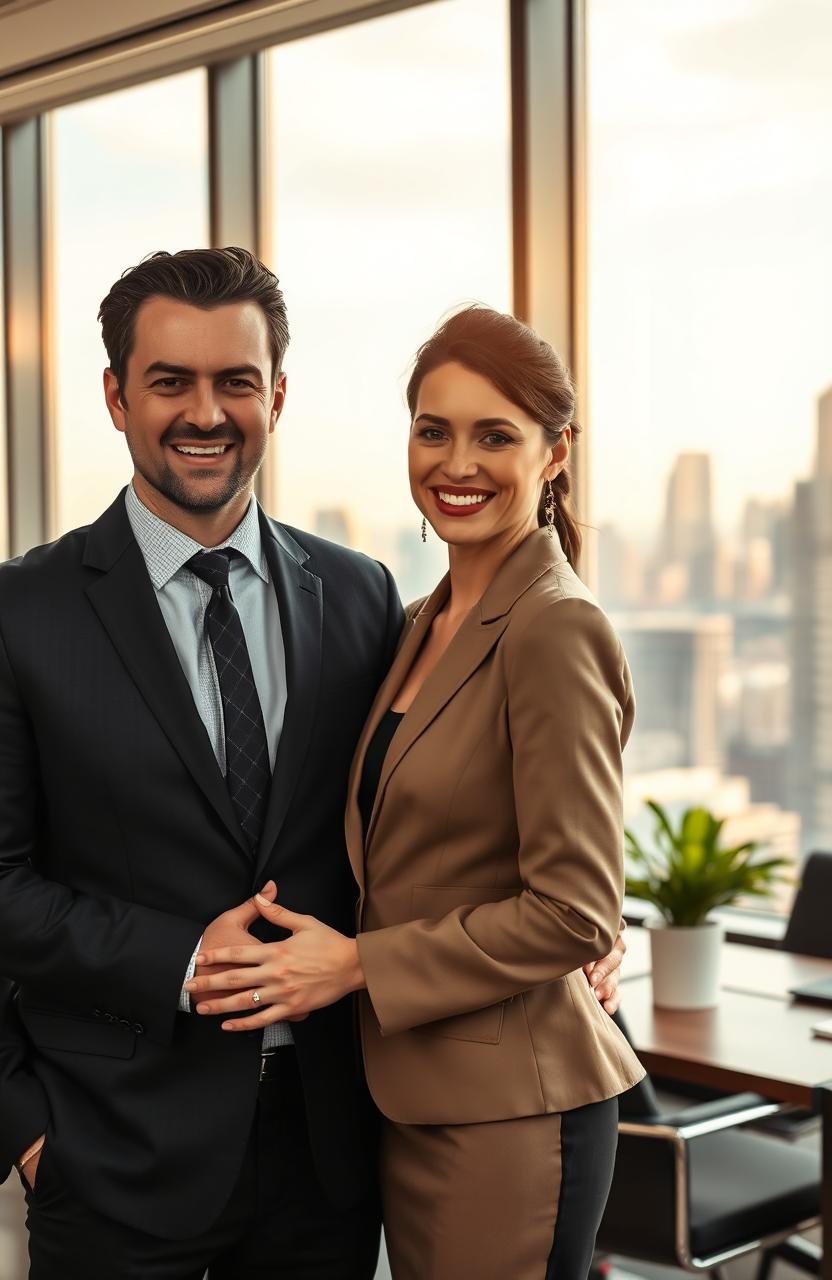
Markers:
(819, 992)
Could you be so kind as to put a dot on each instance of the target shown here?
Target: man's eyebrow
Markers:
(182, 371)
(480, 422)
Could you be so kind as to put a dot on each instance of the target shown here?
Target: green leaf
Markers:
(687, 873)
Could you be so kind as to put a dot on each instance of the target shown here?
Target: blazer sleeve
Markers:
(570, 708)
(82, 949)
(24, 1110)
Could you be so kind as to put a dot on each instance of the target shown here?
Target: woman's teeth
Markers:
(463, 499)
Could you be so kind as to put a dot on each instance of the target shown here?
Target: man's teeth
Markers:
(200, 452)
(463, 499)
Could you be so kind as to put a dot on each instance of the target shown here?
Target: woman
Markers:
(484, 827)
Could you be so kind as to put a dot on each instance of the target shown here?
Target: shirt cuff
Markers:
(185, 996)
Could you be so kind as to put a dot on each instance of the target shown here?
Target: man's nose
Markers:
(203, 409)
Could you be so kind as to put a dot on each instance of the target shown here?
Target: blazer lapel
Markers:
(470, 646)
(300, 600)
(413, 635)
(124, 599)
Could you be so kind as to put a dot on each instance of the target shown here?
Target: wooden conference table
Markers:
(757, 1038)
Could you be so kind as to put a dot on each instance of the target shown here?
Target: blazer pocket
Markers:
(481, 1026)
(73, 1034)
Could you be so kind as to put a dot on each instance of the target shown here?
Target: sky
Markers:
(710, 264)
(710, 195)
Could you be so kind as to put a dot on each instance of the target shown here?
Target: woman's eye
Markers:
(496, 438)
(431, 434)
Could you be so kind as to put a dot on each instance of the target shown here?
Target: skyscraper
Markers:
(811, 579)
(688, 535)
(678, 661)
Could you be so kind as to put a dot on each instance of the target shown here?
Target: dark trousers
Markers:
(277, 1225)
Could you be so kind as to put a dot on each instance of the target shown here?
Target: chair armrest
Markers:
(694, 1122)
(723, 1113)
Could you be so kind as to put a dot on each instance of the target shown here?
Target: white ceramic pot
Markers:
(685, 964)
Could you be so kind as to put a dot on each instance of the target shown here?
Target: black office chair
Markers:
(694, 1189)
(808, 931)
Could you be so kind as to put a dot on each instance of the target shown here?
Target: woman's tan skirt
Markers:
(509, 1200)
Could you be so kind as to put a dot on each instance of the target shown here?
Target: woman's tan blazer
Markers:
(492, 869)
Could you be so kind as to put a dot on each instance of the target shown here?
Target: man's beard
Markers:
(188, 495)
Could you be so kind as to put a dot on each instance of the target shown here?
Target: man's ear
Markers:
(113, 399)
(278, 401)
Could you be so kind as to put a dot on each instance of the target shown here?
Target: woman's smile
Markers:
(459, 500)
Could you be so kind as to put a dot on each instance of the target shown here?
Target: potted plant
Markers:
(686, 875)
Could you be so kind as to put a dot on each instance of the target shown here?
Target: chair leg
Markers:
(767, 1261)
(800, 1253)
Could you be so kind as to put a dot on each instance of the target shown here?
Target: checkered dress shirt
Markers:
(183, 599)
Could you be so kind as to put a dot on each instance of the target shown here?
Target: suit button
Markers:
(97, 1013)
(138, 1028)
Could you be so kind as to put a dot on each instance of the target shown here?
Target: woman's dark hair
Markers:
(526, 370)
(202, 277)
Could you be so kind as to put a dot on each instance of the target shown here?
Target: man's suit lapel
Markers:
(300, 600)
(124, 599)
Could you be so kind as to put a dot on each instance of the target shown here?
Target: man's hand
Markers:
(604, 974)
(231, 929)
(313, 968)
(30, 1169)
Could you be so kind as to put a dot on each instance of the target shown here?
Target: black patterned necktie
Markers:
(247, 770)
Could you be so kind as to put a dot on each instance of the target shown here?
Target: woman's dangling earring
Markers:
(549, 508)
(424, 528)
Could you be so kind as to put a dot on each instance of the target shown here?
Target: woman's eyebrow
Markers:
(480, 422)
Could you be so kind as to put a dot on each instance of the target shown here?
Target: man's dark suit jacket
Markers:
(118, 844)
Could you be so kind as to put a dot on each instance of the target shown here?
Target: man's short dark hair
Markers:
(201, 277)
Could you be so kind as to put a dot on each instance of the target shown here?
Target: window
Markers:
(710, 273)
(392, 206)
(125, 183)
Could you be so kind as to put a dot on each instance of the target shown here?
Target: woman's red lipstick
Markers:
(468, 501)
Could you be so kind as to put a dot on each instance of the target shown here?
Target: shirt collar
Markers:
(166, 549)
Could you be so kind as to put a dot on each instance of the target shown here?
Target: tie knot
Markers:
(212, 566)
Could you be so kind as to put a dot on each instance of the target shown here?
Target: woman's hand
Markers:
(604, 974)
(313, 968)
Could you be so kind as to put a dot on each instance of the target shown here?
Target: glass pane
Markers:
(4, 478)
(125, 184)
(392, 186)
(710, 371)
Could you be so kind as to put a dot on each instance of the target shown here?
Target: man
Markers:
(176, 728)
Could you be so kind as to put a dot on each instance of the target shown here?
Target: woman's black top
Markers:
(374, 763)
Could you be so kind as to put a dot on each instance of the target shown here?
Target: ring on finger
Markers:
(255, 997)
